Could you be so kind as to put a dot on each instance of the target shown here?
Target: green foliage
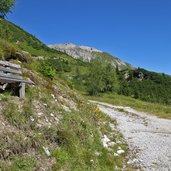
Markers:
(23, 39)
(47, 70)
(51, 66)
(95, 78)
(75, 141)
(110, 78)
(1, 53)
(23, 164)
(59, 64)
(6, 49)
(79, 141)
(102, 78)
(26, 164)
(73, 138)
(146, 85)
(107, 58)
(5, 7)
(17, 118)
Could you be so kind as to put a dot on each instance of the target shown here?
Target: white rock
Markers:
(46, 119)
(116, 168)
(105, 140)
(116, 154)
(31, 118)
(119, 142)
(53, 96)
(97, 153)
(39, 125)
(61, 97)
(120, 151)
(92, 161)
(112, 126)
(66, 108)
(39, 114)
(111, 144)
(47, 152)
(105, 145)
(52, 114)
(40, 57)
(119, 148)
(132, 161)
(56, 119)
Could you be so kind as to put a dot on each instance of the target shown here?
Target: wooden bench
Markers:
(11, 73)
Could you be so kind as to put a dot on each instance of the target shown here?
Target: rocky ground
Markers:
(148, 137)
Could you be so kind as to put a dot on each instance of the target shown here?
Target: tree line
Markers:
(146, 85)
(138, 83)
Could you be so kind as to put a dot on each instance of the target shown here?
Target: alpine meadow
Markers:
(81, 108)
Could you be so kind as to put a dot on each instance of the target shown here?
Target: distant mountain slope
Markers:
(88, 53)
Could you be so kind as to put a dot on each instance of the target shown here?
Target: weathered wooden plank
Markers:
(9, 75)
(5, 63)
(22, 90)
(13, 80)
(5, 69)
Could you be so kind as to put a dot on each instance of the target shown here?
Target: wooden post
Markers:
(22, 90)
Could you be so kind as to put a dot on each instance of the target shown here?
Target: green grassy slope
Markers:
(26, 41)
(107, 58)
(14, 39)
(159, 110)
(53, 128)
(153, 87)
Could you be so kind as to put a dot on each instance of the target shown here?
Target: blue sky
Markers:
(136, 31)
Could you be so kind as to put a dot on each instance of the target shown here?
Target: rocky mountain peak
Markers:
(72, 46)
(87, 53)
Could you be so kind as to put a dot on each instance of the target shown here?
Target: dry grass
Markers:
(158, 110)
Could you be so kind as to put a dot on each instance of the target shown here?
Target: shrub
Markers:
(59, 64)
(47, 70)
(7, 49)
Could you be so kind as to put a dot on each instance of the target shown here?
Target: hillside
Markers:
(25, 41)
(87, 54)
(146, 85)
(53, 128)
(80, 75)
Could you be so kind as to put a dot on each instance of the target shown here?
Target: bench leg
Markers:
(22, 90)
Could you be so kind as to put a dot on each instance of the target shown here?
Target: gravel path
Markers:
(148, 137)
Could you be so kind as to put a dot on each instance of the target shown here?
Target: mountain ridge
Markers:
(87, 54)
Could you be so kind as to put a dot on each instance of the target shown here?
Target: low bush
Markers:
(7, 49)
(47, 70)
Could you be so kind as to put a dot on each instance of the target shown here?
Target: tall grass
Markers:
(7, 49)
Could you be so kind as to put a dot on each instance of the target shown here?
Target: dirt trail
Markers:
(148, 137)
